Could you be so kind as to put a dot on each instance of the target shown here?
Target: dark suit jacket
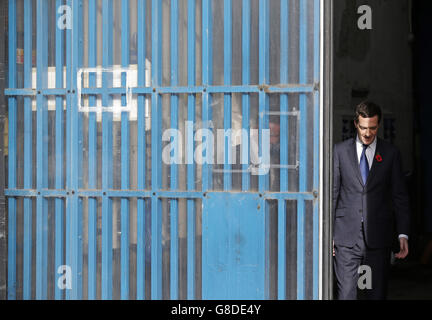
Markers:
(383, 201)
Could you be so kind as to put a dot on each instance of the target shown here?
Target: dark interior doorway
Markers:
(390, 64)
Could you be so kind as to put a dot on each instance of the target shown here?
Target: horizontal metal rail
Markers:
(286, 88)
(111, 193)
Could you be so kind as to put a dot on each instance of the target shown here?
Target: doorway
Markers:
(389, 63)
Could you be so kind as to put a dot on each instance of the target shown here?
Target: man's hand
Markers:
(333, 249)
(403, 248)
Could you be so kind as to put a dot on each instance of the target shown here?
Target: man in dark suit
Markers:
(369, 199)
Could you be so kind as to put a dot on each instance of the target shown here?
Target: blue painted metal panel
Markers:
(239, 206)
(233, 247)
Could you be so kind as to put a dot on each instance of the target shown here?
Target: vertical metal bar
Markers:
(68, 143)
(141, 153)
(76, 212)
(246, 37)
(300, 249)
(59, 207)
(284, 18)
(315, 250)
(316, 153)
(227, 97)
(174, 168)
(303, 68)
(207, 80)
(125, 159)
(92, 156)
(79, 136)
(263, 79)
(283, 151)
(281, 249)
(28, 143)
(156, 221)
(42, 133)
(263, 116)
(107, 19)
(12, 153)
(190, 164)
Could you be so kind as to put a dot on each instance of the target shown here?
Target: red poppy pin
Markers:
(378, 158)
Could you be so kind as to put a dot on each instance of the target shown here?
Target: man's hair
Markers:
(367, 109)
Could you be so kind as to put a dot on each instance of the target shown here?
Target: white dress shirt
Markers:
(370, 153)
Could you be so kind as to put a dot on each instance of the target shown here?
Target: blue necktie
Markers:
(364, 165)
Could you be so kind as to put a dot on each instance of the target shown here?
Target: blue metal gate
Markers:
(102, 92)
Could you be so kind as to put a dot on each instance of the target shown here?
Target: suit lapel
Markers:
(352, 153)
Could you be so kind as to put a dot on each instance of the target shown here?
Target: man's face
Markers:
(367, 129)
(274, 133)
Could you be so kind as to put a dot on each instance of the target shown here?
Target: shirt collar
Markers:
(372, 145)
